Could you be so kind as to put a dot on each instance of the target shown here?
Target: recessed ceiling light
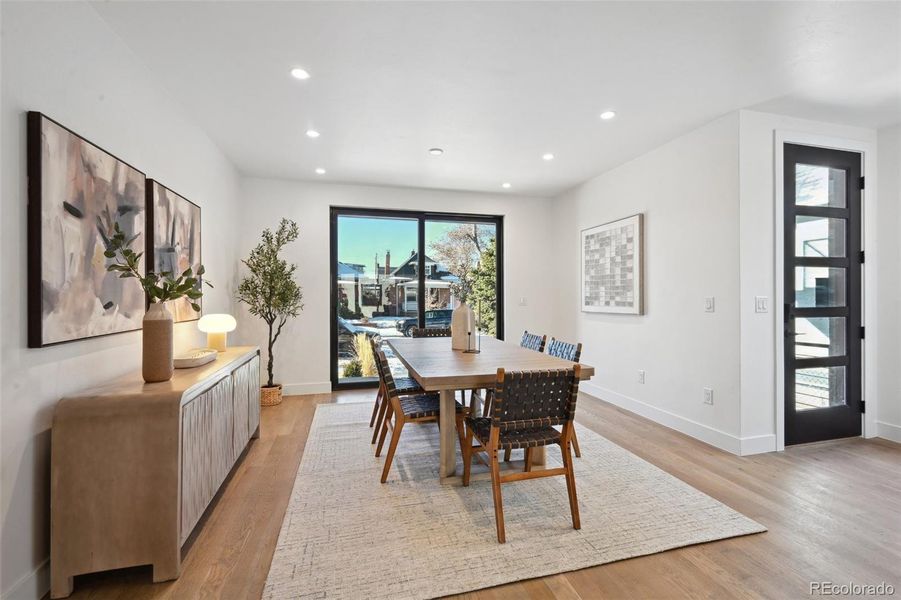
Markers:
(506, 185)
(607, 115)
(547, 156)
(312, 133)
(298, 73)
(436, 151)
(320, 171)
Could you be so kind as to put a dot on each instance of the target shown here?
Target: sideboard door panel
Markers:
(196, 482)
(206, 451)
(221, 448)
(253, 397)
(241, 379)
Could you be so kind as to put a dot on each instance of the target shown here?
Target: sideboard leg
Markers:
(256, 434)
(166, 571)
(61, 586)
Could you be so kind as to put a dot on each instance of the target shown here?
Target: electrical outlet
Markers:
(761, 304)
(708, 396)
(640, 376)
(709, 304)
(522, 301)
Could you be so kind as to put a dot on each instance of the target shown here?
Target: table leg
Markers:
(448, 434)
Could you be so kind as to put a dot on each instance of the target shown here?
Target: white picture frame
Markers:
(612, 273)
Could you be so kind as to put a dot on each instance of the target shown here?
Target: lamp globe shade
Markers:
(216, 327)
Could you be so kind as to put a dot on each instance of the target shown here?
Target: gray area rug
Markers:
(345, 535)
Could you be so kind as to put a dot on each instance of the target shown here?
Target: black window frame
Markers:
(421, 217)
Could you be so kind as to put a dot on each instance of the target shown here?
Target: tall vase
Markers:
(157, 363)
(462, 321)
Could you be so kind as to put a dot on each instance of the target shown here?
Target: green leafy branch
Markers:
(159, 287)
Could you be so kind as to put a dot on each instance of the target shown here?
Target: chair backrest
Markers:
(564, 350)
(384, 369)
(525, 399)
(533, 341)
(421, 332)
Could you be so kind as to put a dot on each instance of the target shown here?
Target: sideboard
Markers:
(134, 465)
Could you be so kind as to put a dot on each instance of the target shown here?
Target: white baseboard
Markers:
(31, 586)
(888, 431)
(304, 389)
(705, 433)
(758, 444)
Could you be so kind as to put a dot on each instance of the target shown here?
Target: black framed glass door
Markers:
(822, 312)
(392, 271)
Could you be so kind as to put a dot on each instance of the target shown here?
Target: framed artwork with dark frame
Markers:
(612, 274)
(77, 192)
(174, 243)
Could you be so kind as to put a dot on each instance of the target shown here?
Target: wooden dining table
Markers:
(438, 368)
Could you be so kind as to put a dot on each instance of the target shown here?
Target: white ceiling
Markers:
(499, 84)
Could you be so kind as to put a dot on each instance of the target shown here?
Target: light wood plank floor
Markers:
(833, 511)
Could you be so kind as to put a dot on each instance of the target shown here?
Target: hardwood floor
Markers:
(833, 511)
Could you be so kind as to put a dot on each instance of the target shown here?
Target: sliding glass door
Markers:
(396, 270)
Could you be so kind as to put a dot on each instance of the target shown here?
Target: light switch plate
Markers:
(761, 304)
(709, 304)
(522, 301)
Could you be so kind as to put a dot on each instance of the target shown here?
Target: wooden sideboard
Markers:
(134, 465)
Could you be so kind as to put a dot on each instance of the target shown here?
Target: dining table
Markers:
(438, 368)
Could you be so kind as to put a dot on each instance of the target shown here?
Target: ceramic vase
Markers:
(462, 327)
(158, 362)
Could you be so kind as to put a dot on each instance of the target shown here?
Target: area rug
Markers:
(345, 535)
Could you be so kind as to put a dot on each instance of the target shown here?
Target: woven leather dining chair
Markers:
(571, 352)
(419, 408)
(527, 406)
(404, 385)
(533, 341)
(428, 332)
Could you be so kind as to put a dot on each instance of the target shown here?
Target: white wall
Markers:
(688, 192)
(301, 364)
(62, 59)
(889, 301)
(758, 269)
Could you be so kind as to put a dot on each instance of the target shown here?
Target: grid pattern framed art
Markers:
(611, 261)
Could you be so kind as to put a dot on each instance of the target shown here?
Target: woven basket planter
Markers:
(271, 396)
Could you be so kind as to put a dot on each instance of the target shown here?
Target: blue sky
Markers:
(360, 238)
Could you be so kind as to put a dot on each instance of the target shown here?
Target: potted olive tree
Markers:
(271, 293)
(157, 361)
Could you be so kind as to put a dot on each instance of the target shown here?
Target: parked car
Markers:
(433, 318)
(347, 331)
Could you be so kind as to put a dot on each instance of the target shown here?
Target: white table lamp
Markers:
(216, 328)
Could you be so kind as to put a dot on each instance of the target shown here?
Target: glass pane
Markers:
(376, 290)
(819, 387)
(819, 337)
(819, 236)
(819, 287)
(819, 186)
(460, 267)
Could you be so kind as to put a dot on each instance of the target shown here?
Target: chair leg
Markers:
(467, 456)
(380, 418)
(385, 421)
(498, 498)
(575, 441)
(395, 437)
(571, 484)
(460, 431)
(528, 460)
(375, 407)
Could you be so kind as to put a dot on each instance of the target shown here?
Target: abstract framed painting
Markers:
(174, 244)
(77, 192)
(612, 274)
